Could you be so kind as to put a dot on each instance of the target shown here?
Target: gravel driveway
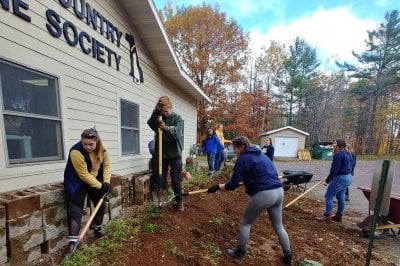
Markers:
(362, 178)
(358, 205)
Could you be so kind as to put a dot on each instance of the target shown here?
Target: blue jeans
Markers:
(211, 161)
(337, 187)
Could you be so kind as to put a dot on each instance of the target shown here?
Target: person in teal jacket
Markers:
(171, 125)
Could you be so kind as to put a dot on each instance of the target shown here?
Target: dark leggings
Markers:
(75, 206)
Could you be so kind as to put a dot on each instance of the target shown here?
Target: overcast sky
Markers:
(334, 27)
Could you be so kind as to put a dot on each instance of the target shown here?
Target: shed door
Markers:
(286, 146)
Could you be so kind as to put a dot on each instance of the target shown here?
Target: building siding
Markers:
(90, 91)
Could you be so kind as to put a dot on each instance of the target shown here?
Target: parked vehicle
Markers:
(230, 154)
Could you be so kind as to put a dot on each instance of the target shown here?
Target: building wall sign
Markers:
(88, 44)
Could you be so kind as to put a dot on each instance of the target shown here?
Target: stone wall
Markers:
(33, 221)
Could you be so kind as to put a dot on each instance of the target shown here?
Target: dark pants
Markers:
(75, 206)
(175, 166)
(219, 159)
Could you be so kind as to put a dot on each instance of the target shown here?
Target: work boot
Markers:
(337, 217)
(180, 207)
(287, 259)
(325, 218)
(236, 254)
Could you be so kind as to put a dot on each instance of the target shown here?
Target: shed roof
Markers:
(144, 16)
(284, 128)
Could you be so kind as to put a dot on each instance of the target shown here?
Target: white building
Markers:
(65, 68)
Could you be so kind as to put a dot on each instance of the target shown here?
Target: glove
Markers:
(213, 189)
(158, 109)
(105, 188)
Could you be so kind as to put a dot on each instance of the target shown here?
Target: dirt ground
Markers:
(209, 225)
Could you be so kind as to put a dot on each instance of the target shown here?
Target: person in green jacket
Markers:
(171, 125)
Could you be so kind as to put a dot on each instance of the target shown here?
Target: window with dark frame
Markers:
(129, 128)
(31, 114)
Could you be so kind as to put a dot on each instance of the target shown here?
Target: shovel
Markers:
(159, 196)
(304, 193)
(87, 225)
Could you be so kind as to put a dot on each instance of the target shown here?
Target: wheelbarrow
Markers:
(385, 223)
(296, 179)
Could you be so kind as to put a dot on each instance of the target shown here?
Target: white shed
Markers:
(286, 140)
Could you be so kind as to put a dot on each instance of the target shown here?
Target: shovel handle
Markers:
(90, 220)
(305, 192)
(193, 192)
(197, 191)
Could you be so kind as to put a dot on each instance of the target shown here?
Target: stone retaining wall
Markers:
(33, 221)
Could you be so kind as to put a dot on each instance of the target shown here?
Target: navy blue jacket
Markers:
(255, 170)
(342, 164)
(211, 144)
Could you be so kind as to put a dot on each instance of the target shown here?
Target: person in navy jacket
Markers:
(338, 180)
(260, 178)
(87, 173)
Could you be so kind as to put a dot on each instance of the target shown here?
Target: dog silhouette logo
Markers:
(136, 70)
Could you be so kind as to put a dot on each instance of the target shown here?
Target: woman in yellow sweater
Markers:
(87, 173)
(220, 156)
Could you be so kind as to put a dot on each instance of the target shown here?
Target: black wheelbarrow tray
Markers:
(296, 179)
(390, 221)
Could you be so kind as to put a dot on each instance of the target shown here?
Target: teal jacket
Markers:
(171, 138)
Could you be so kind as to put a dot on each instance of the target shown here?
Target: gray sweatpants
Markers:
(270, 201)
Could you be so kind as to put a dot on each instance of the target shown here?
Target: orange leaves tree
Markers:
(212, 50)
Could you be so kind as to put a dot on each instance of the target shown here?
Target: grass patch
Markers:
(211, 252)
(150, 228)
(116, 233)
(172, 249)
(216, 220)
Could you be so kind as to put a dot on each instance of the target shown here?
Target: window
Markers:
(129, 128)
(31, 114)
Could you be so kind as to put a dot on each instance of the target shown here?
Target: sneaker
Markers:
(180, 207)
(287, 259)
(236, 254)
(70, 247)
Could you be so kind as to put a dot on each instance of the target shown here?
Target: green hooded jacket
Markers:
(171, 142)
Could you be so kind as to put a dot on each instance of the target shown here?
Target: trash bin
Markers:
(322, 151)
